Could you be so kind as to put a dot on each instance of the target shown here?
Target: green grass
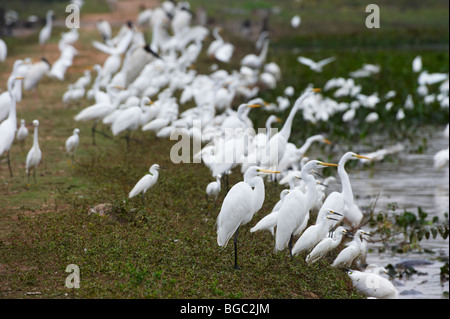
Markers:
(167, 248)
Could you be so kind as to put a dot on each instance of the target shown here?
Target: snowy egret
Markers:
(326, 245)
(240, 204)
(146, 182)
(72, 142)
(22, 132)
(213, 189)
(34, 155)
(3, 50)
(315, 233)
(351, 252)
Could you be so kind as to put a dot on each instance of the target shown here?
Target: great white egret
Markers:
(351, 252)
(372, 284)
(269, 222)
(72, 142)
(3, 50)
(278, 141)
(295, 208)
(240, 204)
(8, 128)
(46, 31)
(146, 182)
(35, 74)
(326, 245)
(34, 155)
(219, 49)
(315, 66)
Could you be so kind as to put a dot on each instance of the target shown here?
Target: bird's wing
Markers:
(145, 182)
(103, 47)
(236, 205)
(306, 61)
(326, 61)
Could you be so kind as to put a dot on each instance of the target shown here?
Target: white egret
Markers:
(315, 233)
(213, 189)
(104, 28)
(256, 61)
(146, 182)
(351, 252)
(440, 159)
(372, 284)
(295, 21)
(3, 50)
(46, 31)
(22, 132)
(35, 74)
(269, 222)
(295, 208)
(315, 66)
(417, 64)
(219, 49)
(326, 245)
(240, 204)
(34, 155)
(277, 143)
(8, 128)
(72, 142)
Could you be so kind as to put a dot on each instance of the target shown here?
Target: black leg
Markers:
(9, 165)
(143, 199)
(34, 175)
(290, 245)
(235, 250)
(93, 133)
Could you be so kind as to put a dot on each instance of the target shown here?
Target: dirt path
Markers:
(122, 11)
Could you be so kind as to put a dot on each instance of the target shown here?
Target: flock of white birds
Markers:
(136, 88)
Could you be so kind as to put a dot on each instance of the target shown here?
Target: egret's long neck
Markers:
(306, 146)
(311, 192)
(263, 53)
(12, 110)
(154, 172)
(258, 190)
(347, 192)
(286, 129)
(35, 138)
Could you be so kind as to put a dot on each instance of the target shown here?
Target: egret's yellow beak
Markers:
(362, 157)
(253, 105)
(118, 87)
(19, 78)
(278, 119)
(317, 90)
(326, 141)
(268, 171)
(328, 164)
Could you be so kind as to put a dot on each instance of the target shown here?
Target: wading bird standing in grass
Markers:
(8, 127)
(22, 133)
(294, 212)
(145, 183)
(46, 31)
(213, 189)
(34, 155)
(326, 245)
(242, 201)
(72, 143)
(351, 252)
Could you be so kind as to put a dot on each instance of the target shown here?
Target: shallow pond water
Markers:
(409, 180)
